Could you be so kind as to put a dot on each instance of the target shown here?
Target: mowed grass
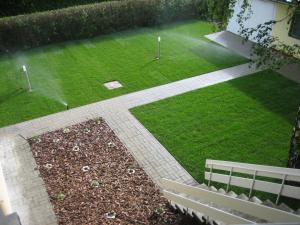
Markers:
(249, 120)
(75, 71)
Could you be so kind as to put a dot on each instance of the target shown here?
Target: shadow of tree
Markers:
(276, 93)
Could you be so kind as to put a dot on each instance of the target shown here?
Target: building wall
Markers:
(263, 11)
(281, 29)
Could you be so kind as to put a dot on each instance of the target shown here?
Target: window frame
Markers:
(292, 25)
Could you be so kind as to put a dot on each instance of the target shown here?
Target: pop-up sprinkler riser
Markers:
(27, 78)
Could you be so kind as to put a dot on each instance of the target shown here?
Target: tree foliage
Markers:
(218, 11)
(271, 52)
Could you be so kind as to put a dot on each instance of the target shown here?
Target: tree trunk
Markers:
(294, 154)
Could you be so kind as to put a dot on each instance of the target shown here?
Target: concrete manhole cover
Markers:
(113, 85)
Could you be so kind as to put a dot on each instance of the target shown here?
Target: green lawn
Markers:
(75, 71)
(249, 119)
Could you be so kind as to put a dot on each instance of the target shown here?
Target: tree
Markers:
(294, 153)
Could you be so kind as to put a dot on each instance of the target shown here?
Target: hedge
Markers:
(218, 11)
(32, 30)
(16, 7)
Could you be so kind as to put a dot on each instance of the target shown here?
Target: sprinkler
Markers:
(65, 104)
(27, 77)
(158, 47)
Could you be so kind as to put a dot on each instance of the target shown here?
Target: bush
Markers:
(27, 31)
(16, 7)
(218, 11)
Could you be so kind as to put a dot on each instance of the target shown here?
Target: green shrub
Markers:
(16, 7)
(32, 30)
(218, 11)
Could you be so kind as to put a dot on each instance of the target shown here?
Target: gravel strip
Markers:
(92, 179)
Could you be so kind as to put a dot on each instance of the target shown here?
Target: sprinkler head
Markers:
(67, 106)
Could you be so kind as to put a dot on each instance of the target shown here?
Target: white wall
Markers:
(263, 11)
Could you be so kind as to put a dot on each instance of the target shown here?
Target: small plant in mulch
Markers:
(158, 215)
(159, 211)
(60, 196)
(99, 120)
(111, 144)
(95, 183)
(86, 131)
(110, 215)
(56, 140)
(66, 130)
(37, 139)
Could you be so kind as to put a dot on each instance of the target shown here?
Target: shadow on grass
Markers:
(8, 96)
(216, 54)
(273, 91)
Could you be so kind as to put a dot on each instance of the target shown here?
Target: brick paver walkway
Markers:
(26, 189)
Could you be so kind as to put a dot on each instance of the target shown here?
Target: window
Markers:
(295, 26)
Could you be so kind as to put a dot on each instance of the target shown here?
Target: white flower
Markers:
(48, 166)
(85, 168)
(76, 148)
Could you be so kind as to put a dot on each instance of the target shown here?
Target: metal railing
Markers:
(254, 183)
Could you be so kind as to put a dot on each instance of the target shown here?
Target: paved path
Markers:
(232, 42)
(26, 189)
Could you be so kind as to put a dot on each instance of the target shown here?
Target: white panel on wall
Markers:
(263, 11)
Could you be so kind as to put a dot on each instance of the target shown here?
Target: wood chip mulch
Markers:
(92, 179)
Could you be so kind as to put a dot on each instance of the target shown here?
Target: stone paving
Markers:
(26, 189)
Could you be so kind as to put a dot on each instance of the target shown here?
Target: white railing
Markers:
(254, 183)
(172, 188)
(4, 201)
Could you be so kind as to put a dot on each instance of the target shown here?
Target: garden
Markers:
(57, 56)
(246, 120)
(92, 180)
(75, 72)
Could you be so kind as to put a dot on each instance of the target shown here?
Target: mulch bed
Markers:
(90, 175)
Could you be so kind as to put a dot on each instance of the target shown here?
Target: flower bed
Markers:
(92, 179)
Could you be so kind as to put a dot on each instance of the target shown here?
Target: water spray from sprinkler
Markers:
(65, 104)
(158, 47)
(27, 77)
